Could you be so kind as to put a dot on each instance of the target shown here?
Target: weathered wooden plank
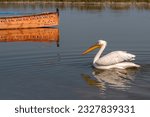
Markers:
(30, 21)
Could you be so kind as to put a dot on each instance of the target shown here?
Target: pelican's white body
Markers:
(116, 59)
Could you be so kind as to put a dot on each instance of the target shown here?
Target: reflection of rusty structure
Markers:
(34, 35)
(39, 20)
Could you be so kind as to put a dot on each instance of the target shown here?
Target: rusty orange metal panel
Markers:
(34, 35)
(30, 21)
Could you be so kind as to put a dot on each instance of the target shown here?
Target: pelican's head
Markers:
(103, 42)
(99, 44)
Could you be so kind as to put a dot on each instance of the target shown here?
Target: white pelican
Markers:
(116, 59)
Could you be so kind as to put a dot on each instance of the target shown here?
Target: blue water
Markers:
(41, 70)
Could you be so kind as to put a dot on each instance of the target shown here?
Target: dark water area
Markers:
(43, 70)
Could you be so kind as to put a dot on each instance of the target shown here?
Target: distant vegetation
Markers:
(85, 5)
(75, 0)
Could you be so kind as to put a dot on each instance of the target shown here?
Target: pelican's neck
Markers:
(99, 53)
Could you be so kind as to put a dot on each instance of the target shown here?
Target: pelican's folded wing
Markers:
(115, 57)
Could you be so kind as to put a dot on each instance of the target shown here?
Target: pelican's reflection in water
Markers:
(115, 78)
(30, 35)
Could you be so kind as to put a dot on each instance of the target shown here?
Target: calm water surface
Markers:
(42, 70)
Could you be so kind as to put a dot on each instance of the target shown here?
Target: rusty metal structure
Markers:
(30, 21)
(30, 35)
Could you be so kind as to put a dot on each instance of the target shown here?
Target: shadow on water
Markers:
(30, 35)
(114, 78)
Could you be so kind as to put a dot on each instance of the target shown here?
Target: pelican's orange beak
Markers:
(93, 47)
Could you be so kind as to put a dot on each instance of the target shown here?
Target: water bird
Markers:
(113, 60)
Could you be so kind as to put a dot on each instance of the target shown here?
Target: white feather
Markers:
(115, 57)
